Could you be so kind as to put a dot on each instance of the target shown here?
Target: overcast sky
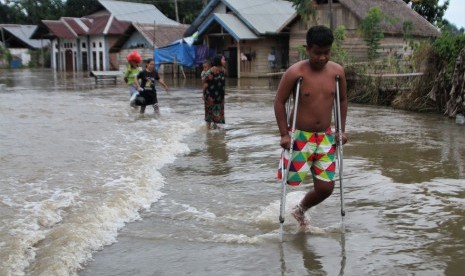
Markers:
(455, 13)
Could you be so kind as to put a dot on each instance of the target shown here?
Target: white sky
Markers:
(455, 13)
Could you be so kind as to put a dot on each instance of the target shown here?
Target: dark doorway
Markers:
(231, 60)
(100, 61)
(69, 60)
(85, 65)
(94, 61)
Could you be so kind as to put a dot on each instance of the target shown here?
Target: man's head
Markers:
(319, 42)
(319, 35)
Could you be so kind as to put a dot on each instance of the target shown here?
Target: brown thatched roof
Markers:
(397, 12)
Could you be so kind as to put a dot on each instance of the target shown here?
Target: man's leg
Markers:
(321, 191)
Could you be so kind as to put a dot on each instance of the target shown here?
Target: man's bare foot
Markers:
(299, 214)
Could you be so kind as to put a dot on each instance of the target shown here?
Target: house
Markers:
(248, 33)
(260, 37)
(349, 13)
(145, 37)
(84, 44)
(16, 38)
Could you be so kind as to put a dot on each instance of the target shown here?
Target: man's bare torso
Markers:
(316, 99)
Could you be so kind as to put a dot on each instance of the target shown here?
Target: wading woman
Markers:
(215, 80)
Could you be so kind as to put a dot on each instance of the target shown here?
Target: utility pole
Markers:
(331, 23)
(176, 10)
(154, 34)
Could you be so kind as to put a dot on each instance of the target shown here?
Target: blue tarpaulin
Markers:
(179, 52)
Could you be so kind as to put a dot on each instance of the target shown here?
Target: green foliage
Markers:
(188, 10)
(5, 55)
(12, 14)
(447, 48)
(338, 54)
(80, 8)
(302, 52)
(407, 30)
(437, 61)
(446, 26)
(305, 8)
(32, 11)
(370, 27)
(430, 9)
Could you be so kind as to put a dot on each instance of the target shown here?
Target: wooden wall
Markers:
(258, 51)
(393, 45)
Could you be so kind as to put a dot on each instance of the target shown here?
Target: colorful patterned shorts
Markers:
(312, 151)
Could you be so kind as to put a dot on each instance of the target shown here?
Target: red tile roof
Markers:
(98, 25)
(59, 29)
(71, 27)
(76, 24)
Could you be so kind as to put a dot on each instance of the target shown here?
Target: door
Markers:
(231, 56)
(85, 65)
(69, 60)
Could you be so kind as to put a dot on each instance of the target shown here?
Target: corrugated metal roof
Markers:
(136, 12)
(232, 24)
(263, 16)
(23, 33)
(260, 16)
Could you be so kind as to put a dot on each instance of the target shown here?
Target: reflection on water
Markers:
(217, 153)
(409, 148)
(310, 259)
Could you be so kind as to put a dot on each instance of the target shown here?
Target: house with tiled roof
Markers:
(259, 37)
(84, 44)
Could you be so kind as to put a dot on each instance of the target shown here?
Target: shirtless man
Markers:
(314, 142)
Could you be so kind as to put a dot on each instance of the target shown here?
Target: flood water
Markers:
(90, 187)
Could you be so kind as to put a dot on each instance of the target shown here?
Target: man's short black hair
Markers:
(320, 35)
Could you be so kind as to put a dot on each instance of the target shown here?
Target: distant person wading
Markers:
(214, 82)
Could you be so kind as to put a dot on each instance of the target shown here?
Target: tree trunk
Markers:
(456, 103)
